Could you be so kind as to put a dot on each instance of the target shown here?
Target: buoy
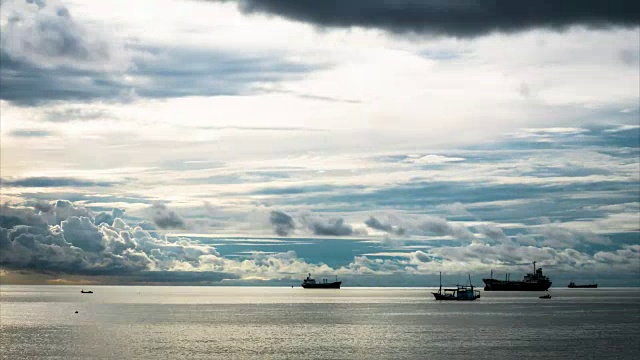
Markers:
(76, 311)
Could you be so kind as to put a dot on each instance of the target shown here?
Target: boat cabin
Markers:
(461, 292)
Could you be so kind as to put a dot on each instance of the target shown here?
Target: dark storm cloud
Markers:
(166, 218)
(374, 223)
(282, 223)
(335, 227)
(450, 18)
(54, 182)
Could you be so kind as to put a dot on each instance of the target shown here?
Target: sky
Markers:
(253, 142)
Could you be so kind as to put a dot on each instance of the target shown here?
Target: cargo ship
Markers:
(310, 283)
(534, 281)
(573, 285)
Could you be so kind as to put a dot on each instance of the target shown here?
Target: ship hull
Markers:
(453, 298)
(333, 285)
(443, 297)
(590, 286)
(500, 285)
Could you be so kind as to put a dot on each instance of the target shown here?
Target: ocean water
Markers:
(155, 322)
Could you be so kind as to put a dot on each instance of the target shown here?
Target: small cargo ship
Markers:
(534, 281)
(573, 285)
(310, 283)
(460, 293)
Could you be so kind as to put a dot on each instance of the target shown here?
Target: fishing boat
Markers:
(310, 283)
(460, 293)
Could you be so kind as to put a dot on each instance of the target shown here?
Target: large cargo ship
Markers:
(310, 283)
(535, 281)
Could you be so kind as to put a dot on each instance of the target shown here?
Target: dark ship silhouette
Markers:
(310, 283)
(573, 285)
(460, 293)
(535, 281)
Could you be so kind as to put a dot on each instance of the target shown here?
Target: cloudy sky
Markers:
(252, 142)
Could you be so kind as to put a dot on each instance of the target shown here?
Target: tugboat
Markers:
(86, 292)
(535, 281)
(310, 283)
(460, 293)
(573, 285)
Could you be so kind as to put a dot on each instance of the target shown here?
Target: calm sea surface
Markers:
(131, 322)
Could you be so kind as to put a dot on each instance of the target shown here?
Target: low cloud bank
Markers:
(62, 238)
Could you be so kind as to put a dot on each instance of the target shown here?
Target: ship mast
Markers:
(440, 290)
